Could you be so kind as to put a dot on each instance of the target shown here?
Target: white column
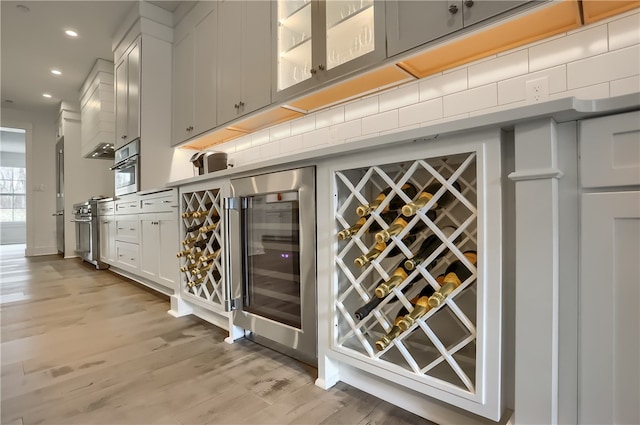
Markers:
(537, 270)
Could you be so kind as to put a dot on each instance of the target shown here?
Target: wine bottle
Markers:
(373, 227)
(209, 228)
(202, 269)
(204, 213)
(207, 207)
(193, 283)
(189, 266)
(210, 257)
(367, 308)
(184, 253)
(425, 196)
(428, 246)
(189, 241)
(385, 340)
(395, 203)
(398, 276)
(455, 274)
(194, 228)
(420, 308)
(377, 249)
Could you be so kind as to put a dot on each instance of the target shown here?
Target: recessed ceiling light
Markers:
(47, 95)
(56, 72)
(71, 33)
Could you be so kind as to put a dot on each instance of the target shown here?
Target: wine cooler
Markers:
(411, 299)
(272, 267)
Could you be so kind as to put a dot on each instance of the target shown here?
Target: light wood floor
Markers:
(81, 346)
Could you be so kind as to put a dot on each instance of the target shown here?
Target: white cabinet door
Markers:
(133, 91)
(168, 245)
(107, 234)
(121, 101)
(158, 247)
(256, 56)
(183, 72)
(230, 59)
(206, 59)
(609, 365)
(148, 246)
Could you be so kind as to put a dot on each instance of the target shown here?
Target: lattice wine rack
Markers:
(424, 325)
(201, 261)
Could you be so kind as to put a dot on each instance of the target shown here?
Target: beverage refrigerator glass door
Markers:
(127, 169)
(272, 279)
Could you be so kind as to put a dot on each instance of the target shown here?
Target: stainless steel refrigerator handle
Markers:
(230, 205)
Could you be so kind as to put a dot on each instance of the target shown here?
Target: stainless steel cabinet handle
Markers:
(321, 67)
(313, 71)
(468, 3)
(123, 136)
(241, 104)
(166, 202)
(148, 203)
(453, 9)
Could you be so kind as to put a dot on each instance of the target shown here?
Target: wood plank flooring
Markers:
(81, 346)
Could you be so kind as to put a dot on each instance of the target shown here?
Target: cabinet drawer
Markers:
(127, 228)
(159, 202)
(127, 206)
(610, 151)
(127, 255)
(106, 208)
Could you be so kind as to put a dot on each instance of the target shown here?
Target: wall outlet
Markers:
(537, 90)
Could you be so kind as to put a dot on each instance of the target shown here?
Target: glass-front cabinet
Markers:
(318, 41)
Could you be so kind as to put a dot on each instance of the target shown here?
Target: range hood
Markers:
(102, 151)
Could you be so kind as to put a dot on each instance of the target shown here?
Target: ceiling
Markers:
(33, 42)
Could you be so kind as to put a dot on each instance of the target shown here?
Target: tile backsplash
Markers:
(596, 61)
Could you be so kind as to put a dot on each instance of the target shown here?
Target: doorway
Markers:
(13, 172)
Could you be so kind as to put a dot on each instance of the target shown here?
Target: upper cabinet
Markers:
(127, 93)
(412, 23)
(244, 58)
(194, 73)
(318, 41)
(97, 112)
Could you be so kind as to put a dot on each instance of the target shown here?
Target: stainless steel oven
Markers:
(271, 232)
(127, 168)
(87, 237)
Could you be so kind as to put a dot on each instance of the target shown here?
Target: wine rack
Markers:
(202, 260)
(439, 349)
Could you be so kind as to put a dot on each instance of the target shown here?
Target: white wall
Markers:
(41, 188)
(596, 61)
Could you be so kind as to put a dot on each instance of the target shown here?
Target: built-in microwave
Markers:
(127, 168)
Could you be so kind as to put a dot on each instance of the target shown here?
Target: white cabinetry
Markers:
(609, 304)
(245, 58)
(127, 94)
(158, 225)
(107, 231)
(320, 41)
(194, 72)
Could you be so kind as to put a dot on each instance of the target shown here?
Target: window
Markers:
(13, 202)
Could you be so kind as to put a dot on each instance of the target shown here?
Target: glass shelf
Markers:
(350, 37)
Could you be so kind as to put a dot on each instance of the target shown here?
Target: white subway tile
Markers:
(614, 65)
(500, 68)
(252, 155)
(280, 132)
(513, 89)
(570, 48)
(236, 159)
(471, 100)
(228, 147)
(304, 124)
(380, 122)
(330, 117)
(361, 108)
(598, 91)
(421, 112)
(243, 143)
(445, 119)
(346, 130)
(291, 144)
(624, 32)
(444, 84)
(316, 138)
(396, 98)
(270, 150)
(260, 137)
(625, 86)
